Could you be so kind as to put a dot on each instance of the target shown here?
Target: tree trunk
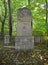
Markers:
(28, 2)
(47, 16)
(47, 21)
(2, 29)
(46, 11)
(3, 21)
(10, 19)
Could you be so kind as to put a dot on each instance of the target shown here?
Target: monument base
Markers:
(24, 43)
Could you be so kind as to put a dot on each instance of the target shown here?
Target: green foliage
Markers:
(38, 9)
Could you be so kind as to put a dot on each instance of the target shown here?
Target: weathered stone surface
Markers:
(6, 39)
(24, 39)
(37, 39)
(24, 43)
(24, 22)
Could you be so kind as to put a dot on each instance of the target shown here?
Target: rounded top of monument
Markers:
(24, 14)
(24, 11)
(24, 8)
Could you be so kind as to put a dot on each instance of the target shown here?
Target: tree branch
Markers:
(0, 19)
(10, 19)
(28, 2)
(5, 11)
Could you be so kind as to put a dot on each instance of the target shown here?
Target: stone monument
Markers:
(6, 39)
(37, 39)
(24, 39)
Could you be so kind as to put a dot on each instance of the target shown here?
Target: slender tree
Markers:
(28, 1)
(29, 4)
(3, 20)
(10, 18)
(47, 15)
(46, 11)
(46, 20)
